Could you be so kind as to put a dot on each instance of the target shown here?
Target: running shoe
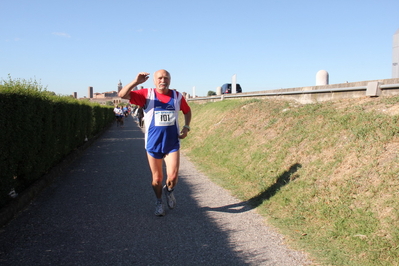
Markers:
(159, 210)
(170, 198)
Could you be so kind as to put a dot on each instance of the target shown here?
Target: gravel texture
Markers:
(100, 211)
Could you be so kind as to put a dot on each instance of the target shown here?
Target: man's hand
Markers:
(142, 77)
(125, 91)
(183, 133)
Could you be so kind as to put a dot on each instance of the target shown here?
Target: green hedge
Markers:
(38, 129)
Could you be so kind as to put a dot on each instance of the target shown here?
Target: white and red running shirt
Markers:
(160, 118)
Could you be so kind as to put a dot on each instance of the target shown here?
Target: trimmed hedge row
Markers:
(38, 129)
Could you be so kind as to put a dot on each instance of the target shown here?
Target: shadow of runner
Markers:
(254, 202)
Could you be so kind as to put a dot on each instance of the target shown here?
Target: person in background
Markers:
(126, 111)
(162, 133)
(140, 116)
(118, 115)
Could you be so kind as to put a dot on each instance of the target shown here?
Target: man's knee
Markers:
(156, 183)
(157, 179)
(172, 175)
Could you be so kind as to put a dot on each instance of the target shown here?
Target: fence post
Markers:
(373, 89)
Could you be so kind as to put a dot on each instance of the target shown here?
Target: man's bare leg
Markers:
(157, 175)
(172, 161)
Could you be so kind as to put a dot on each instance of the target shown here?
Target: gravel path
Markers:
(100, 212)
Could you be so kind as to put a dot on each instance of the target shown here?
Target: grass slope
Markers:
(325, 174)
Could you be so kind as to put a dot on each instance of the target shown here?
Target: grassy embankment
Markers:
(326, 175)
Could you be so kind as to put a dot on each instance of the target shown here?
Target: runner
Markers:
(118, 116)
(162, 134)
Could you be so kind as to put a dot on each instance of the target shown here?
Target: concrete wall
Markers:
(306, 97)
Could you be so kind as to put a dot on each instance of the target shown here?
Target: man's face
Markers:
(162, 79)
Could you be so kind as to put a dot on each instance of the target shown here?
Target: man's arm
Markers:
(185, 130)
(125, 91)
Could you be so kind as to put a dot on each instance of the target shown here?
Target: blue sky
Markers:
(70, 45)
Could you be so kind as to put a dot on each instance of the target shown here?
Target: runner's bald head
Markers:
(162, 79)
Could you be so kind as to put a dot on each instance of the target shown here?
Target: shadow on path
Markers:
(254, 202)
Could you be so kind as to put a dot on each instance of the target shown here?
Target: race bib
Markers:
(164, 118)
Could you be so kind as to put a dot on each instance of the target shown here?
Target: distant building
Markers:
(90, 92)
(395, 55)
(104, 97)
(119, 86)
(322, 78)
(110, 96)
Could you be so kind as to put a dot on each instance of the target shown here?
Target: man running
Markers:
(118, 115)
(162, 134)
